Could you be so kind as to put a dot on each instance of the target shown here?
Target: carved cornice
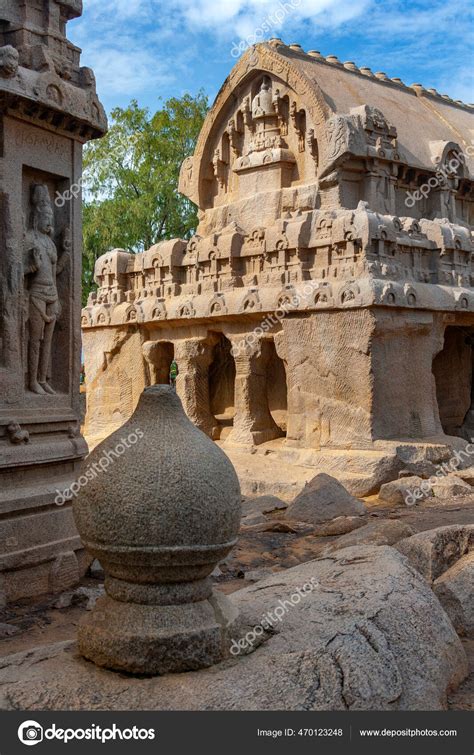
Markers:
(54, 103)
(341, 258)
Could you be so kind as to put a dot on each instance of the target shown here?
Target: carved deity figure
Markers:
(42, 267)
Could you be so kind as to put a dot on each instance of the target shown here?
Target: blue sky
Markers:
(149, 49)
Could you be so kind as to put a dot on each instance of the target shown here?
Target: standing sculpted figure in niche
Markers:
(42, 267)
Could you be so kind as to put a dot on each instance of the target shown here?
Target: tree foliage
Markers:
(131, 179)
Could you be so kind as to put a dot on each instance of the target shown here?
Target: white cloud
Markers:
(245, 16)
(122, 69)
(118, 8)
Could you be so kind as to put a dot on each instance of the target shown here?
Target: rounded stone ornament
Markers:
(159, 514)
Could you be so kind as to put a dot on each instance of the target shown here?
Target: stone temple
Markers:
(324, 309)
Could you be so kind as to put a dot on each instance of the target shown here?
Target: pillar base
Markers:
(254, 437)
(158, 639)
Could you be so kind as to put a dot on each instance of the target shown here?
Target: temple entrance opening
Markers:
(222, 385)
(453, 371)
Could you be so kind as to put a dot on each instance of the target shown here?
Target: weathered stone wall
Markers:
(330, 390)
(116, 376)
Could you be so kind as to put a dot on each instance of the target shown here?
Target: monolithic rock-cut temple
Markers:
(48, 109)
(324, 306)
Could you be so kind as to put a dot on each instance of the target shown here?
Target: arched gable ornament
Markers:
(349, 295)
(250, 302)
(217, 305)
(255, 62)
(101, 315)
(410, 295)
(186, 310)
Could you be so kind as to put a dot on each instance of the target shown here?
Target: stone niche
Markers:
(48, 110)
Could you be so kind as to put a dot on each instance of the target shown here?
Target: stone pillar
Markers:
(404, 389)
(194, 356)
(49, 109)
(253, 423)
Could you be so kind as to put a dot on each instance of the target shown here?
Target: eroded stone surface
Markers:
(375, 533)
(408, 490)
(371, 635)
(264, 504)
(453, 485)
(159, 525)
(455, 591)
(434, 551)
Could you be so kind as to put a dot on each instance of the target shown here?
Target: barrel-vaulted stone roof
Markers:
(428, 125)
(421, 116)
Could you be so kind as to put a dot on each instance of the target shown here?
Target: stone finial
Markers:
(159, 520)
(419, 88)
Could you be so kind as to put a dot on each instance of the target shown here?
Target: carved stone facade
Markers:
(48, 109)
(320, 307)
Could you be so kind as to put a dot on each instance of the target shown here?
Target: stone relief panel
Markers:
(266, 142)
(46, 255)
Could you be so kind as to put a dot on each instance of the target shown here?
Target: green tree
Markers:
(131, 179)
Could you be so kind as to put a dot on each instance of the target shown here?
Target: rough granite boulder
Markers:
(339, 526)
(467, 475)
(359, 630)
(264, 504)
(455, 591)
(323, 499)
(434, 551)
(252, 519)
(406, 490)
(386, 532)
(448, 487)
